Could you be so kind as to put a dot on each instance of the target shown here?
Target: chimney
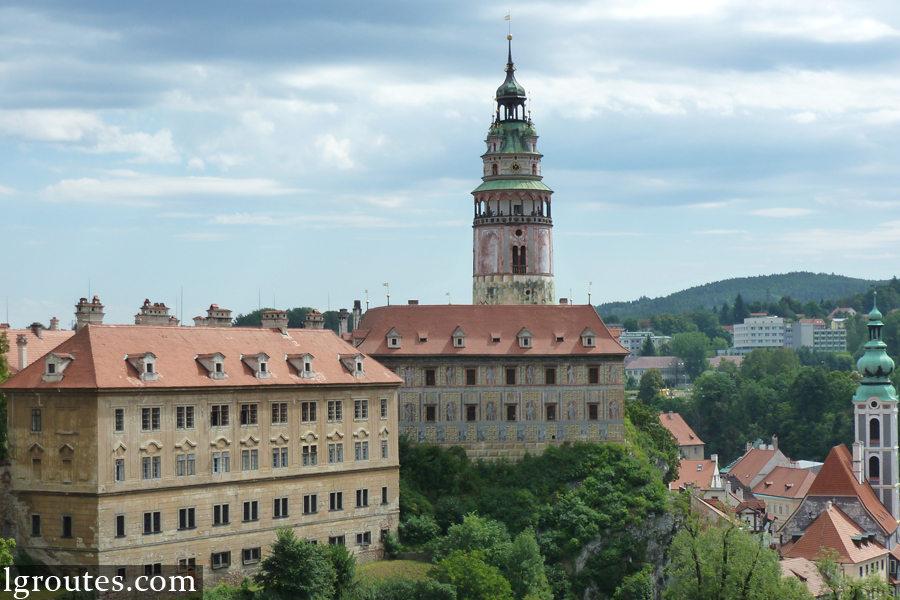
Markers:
(343, 317)
(774, 442)
(88, 313)
(54, 324)
(858, 461)
(22, 346)
(357, 313)
(314, 320)
(38, 330)
(412, 302)
(275, 319)
(749, 446)
(564, 301)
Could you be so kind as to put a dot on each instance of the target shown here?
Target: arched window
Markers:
(534, 169)
(522, 259)
(494, 170)
(874, 431)
(874, 468)
(515, 259)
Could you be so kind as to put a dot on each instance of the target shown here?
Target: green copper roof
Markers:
(875, 365)
(510, 88)
(512, 184)
(513, 136)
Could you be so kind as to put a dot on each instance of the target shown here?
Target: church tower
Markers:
(513, 243)
(875, 412)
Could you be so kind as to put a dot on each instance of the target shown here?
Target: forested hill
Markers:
(801, 286)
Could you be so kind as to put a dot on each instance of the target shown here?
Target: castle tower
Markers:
(513, 243)
(875, 415)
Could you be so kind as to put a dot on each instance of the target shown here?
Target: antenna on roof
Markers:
(181, 307)
(590, 283)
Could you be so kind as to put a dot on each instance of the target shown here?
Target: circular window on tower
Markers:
(527, 292)
(874, 404)
(518, 233)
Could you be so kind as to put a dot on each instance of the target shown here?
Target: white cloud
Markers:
(335, 151)
(828, 28)
(781, 212)
(720, 232)
(804, 117)
(7, 191)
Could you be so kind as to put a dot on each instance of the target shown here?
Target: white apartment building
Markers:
(758, 332)
(633, 340)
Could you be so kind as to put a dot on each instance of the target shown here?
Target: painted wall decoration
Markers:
(487, 256)
(543, 250)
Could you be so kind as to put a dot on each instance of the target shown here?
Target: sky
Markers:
(276, 153)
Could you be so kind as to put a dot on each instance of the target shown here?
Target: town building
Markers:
(783, 489)
(759, 460)
(153, 445)
(500, 380)
(29, 345)
(156, 313)
(512, 230)
(716, 361)
(670, 368)
(634, 340)
(758, 332)
(815, 334)
(698, 476)
(763, 331)
(690, 446)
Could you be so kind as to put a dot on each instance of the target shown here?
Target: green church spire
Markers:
(875, 365)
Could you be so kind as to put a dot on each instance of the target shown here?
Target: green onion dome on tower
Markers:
(875, 365)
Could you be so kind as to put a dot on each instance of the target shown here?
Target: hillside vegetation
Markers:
(801, 286)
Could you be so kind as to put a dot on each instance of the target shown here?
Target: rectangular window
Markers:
(151, 467)
(184, 417)
(220, 560)
(360, 409)
(335, 410)
(221, 514)
(362, 498)
(218, 416)
(150, 419)
(251, 555)
(153, 569)
(221, 462)
(471, 412)
(593, 412)
(249, 460)
(185, 464)
(308, 412)
(593, 374)
(120, 470)
(384, 449)
(362, 450)
(550, 376)
(152, 522)
(187, 518)
(337, 540)
(280, 508)
(335, 453)
(36, 468)
(66, 526)
(384, 494)
(430, 377)
(279, 413)
(36, 525)
(251, 510)
(310, 455)
(551, 412)
(384, 408)
(310, 504)
(336, 501)
(510, 376)
(35, 419)
(431, 413)
(279, 458)
(249, 414)
(120, 420)
(364, 539)
(511, 412)
(471, 377)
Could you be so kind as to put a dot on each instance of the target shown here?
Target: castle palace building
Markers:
(513, 242)
(500, 380)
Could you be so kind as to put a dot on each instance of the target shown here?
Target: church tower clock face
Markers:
(512, 231)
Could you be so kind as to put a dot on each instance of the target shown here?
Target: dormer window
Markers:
(214, 363)
(459, 338)
(55, 365)
(393, 338)
(145, 365)
(354, 364)
(588, 338)
(259, 363)
(422, 336)
(495, 338)
(525, 338)
(303, 363)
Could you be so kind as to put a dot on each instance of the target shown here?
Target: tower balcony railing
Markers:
(519, 270)
(538, 220)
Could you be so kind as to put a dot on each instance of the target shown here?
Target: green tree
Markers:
(344, 565)
(630, 324)
(648, 388)
(296, 569)
(407, 589)
(724, 563)
(691, 348)
(740, 311)
(6, 547)
(475, 534)
(841, 587)
(474, 578)
(647, 347)
(657, 441)
(523, 567)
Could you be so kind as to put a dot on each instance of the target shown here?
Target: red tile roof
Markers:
(655, 362)
(679, 429)
(37, 348)
(784, 482)
(834, 530)
(481, 323)
(807, 572)
(99, 358)
(749, 465)
(836, 478)
(715, 361)
(695, 472)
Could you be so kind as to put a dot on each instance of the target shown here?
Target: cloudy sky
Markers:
(301, 153)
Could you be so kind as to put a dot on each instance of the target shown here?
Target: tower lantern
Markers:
(512, 239)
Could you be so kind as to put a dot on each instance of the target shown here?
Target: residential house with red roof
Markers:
(782, 490)
(501, 380)
(758, 461)
(690, 446)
